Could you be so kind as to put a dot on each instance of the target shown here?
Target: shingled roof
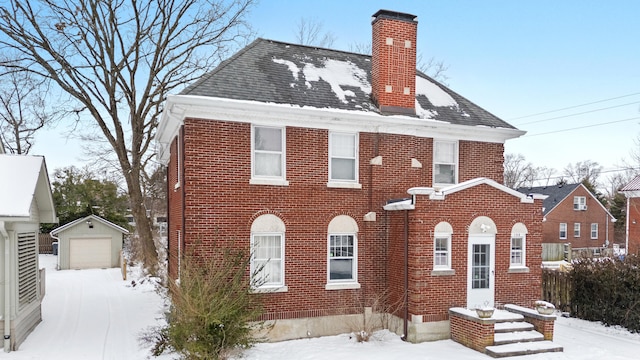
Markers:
(276, 72)
(556, 193)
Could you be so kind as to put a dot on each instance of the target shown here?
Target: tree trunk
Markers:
(145, 241)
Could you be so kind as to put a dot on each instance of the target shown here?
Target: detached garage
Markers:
(89, 243)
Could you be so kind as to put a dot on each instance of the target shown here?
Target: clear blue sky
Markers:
(513, 58)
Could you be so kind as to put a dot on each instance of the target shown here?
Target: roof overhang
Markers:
(180, 107)
(106, 222)
(440, 194)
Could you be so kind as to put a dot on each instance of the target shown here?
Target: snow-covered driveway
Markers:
(90, 314)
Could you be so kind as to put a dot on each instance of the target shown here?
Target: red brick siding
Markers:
(175, 217)
(564, 213)
(432, 296)
(394, 64)
(472, 334)
(544, 327)
(221, 205)
(633, 219)
(481, 158)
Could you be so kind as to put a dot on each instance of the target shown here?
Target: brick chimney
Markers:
(393, 62)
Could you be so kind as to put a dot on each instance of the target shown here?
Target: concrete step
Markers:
(517, 337)
(524, 348)
(502, 316)
(504, 327)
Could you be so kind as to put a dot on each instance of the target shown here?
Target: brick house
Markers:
(632, 192)
(573, 215)
(351, 178)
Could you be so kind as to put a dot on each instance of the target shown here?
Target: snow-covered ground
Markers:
(94, 314)
(91, 314)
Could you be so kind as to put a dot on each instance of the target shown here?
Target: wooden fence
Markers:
(556, 252)
(556, 288)
(45, 241)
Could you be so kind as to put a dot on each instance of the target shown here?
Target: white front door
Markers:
(481, 271)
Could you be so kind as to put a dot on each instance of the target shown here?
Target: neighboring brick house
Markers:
(352, 178)
(573, 215)
(632, 192)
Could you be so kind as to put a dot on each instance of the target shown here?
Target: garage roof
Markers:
(106, 222)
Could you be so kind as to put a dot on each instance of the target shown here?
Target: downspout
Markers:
(184, 197)
(57, 255)
(626, 240)
(7, 292)
(406, 275)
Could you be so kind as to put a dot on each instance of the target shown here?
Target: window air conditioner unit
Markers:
(582, 207)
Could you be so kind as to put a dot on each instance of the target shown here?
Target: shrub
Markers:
(607, 290)
(213, 309)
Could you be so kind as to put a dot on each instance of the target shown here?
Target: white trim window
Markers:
(579, 203)
(342, 257)
(268, 155)
(594, 231)
(342, 254)
(517, 250)
(442, 251)
(445, 162)
(576, 229)
(267, 253)
(343, 159)
(563, 230)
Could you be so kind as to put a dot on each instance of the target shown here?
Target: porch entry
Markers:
(481, 271)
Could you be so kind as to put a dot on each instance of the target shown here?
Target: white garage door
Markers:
(89, 253)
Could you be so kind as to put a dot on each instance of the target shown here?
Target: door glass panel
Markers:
(480, 266)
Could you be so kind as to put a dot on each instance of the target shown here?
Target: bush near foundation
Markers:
(213, 312)
(607, 290)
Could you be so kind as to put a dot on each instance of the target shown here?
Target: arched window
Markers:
(442, 246)
(342, 253)
(267, 252)
(518, 246)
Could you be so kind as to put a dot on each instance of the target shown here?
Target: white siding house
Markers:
(25, 202)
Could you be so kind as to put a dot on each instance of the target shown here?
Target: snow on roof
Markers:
(434, 93)
(338, 74)
(18, 179)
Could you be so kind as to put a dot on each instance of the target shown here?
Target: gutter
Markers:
(7, 292)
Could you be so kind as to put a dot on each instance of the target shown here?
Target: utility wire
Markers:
(584, 127)
(580, 113)
(573, 107)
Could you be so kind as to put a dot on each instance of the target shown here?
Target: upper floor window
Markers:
(267, 253)
(579, 203)
(445, 162)
(563, 230)
(343, 157)
(342, 254)
(576, 230)
(594, 230)
(268, 155)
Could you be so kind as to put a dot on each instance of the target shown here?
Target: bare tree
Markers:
(586, 170)
(437, 69)
(518, 172)
(118, 59)
(360, 48)
(23, 110)
(310, 32)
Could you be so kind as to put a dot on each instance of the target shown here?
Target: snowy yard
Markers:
(94, 314)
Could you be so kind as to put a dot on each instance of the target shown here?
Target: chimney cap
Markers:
(395, 15)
